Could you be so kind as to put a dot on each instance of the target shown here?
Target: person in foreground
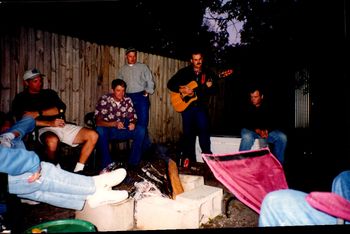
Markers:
(43, 182)
(48, 110)
(259, 122)
(295, 208)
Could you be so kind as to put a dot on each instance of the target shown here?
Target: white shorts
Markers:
(66, 134)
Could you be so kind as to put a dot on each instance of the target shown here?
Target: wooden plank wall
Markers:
(81, 71)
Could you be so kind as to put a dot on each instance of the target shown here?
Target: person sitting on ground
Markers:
(116, 119)
(290, 207)
(48, 110)
(43, 182)
(258, 122)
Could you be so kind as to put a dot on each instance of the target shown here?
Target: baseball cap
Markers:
(30, 74)
(130, 49)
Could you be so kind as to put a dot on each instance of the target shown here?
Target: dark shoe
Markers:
(112, 166)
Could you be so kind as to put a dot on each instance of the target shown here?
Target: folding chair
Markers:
(248, 175)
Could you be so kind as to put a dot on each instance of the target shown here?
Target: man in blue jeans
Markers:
(140, 84)
(259, 122)
(43, 182)
(116, 119)
(290, 207)
(194, 84)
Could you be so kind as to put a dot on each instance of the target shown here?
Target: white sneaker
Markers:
(110, 179)
(6, 139)
(103, 197)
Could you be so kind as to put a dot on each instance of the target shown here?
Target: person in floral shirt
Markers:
(116, 119)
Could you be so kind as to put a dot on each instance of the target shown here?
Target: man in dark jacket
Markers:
(190, 89)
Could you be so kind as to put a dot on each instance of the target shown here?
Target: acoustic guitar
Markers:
(181, 101)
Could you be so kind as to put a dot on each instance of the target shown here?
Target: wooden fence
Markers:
(81, 71)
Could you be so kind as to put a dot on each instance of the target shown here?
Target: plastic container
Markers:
(63, 226)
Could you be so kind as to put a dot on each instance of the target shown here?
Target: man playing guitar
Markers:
(190, 90)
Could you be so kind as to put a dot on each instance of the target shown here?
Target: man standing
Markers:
(259, 122)
(193, 85)
(48, 110)
(140, 85)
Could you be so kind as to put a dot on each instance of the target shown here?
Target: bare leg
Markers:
(88, 138)
(51, 144)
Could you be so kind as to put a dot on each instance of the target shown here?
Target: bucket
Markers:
(63, 226)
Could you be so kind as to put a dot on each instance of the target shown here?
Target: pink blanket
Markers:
(249, 175)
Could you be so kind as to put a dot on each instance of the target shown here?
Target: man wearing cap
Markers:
(48, 110)
(140, 84)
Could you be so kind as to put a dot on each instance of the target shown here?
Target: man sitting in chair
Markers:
(48, 110)
(116, 120)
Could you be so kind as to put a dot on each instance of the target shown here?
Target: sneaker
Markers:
(6, 139)
(110, 179)
(107, 197)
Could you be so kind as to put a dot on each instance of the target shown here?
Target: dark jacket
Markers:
(262, 117)
(185, 75)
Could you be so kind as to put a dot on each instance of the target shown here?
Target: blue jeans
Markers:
(108, 133)
(195, 121)
(142, 105)
(289, 207)
(55, 187)
(23, 127)
(277, 138)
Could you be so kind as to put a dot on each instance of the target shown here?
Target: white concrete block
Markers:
(225, 145)
(207, 198)
(190, 182)
(158, 213)
(111, 217)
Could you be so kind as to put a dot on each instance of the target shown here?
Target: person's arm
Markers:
(112, 124)
(148, 78)
(211, 86)
(18, 106)
(174, 82)
(131, 114)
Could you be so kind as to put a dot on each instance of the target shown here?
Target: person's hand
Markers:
(131, 126)
(209, 83)
(58, 123)
(185, 90)
(34, 176)
(120, 125)
(263, 133)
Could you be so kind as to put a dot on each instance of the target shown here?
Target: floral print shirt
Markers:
(109, 109)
